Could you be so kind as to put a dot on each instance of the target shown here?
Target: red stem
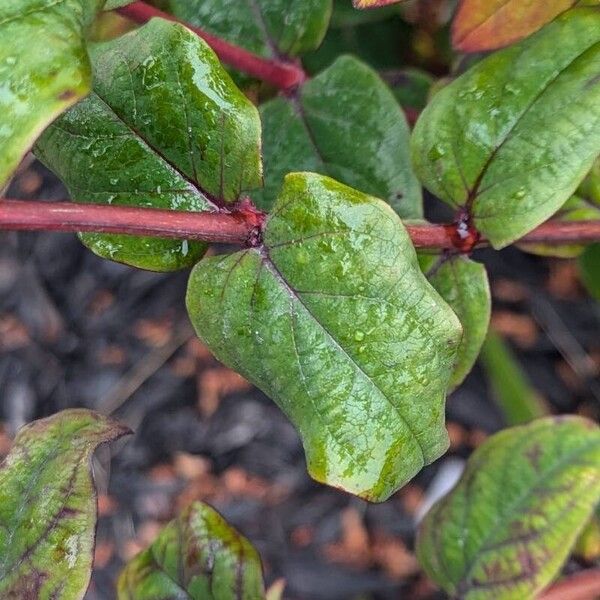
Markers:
(241, 226)
(584, 585)
(283, 75)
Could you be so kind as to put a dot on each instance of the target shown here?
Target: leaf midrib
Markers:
(517, 503)
(266, 259)
(475, 192)
(195, 187)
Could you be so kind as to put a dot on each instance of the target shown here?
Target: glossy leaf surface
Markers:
(513, 137)
(505, 530)
(44, 69)
(344, 123)
(165, 128)
(333, 319)
(269, 28)
(481, 25)
(464, 285)
(197, 556)
(48, 506)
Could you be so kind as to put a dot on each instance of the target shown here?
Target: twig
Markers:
(283, 75)
(241, 226)
(584, 585)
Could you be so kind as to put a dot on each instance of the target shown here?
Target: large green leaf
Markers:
(270, 28)
(505, 530)
(197, 556)
(44, 69)
(513, 137)
(48, 506)
(344, 123)
(464, 285)
(583, 206)
(333, 319)
(166, 128)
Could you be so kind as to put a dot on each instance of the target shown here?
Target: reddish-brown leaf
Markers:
(482, 25)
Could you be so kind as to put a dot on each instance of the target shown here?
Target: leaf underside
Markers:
(344, 123)
(164, 128)
(198, 556)
(482, 25)
(48, 506)
(512, 138)
(505, 530)
(333, 319)
(44, 69)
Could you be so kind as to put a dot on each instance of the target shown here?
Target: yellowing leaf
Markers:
(373, 3)
(333, 319)
(489, 24)
(48, 506)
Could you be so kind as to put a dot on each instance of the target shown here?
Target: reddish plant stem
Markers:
(240, 226)
(584, 585)
(283, 75)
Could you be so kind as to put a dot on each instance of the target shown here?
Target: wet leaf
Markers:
(165, 128)
(589, 269)
(344, 123)
(512, 390)
(513, 137)
(48, 506)
(197, 556)
(481, 25)
(507, 527)
(583, 206)
(464, 285)
(270, 28)
(333, 319)
(44, 69)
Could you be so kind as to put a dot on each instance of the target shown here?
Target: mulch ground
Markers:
(76, 330)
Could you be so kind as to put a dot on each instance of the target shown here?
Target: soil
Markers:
(76, 330)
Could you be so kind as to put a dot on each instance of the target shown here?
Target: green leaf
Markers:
(411, 87)
(270, 28)
(344, 123)
(112, 4)
(507, 527)
(198, 556)
(513, 137)
(589, 269)
(482, 25)
(44, 69)
(464, 285)
(512, 390)
(165, 128)
(588, 544)
(583, 206)
(333, 319)
(48, 506)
